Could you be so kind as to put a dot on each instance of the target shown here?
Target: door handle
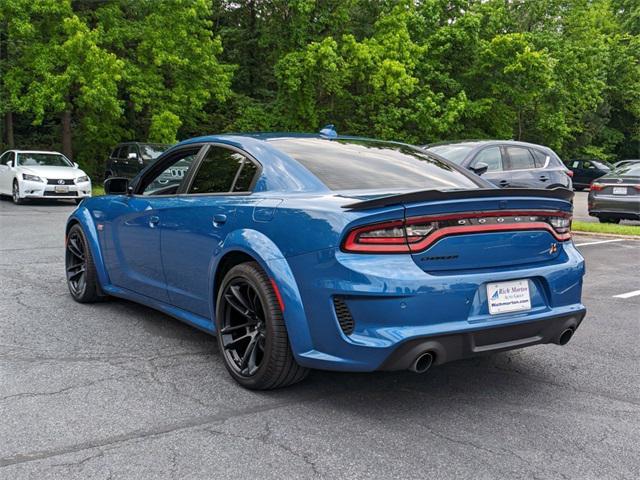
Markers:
(503, 183)
(543, 178)
(219, 219)
(154, 220)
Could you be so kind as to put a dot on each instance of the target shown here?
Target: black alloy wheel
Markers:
(243, 331)
(81, 273)
(251, 332)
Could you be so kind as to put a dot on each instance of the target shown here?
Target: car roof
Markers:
(144, 143)
(51, 152)
(273, 160)
(477, 143)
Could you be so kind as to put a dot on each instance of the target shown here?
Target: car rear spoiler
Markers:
(434, 195)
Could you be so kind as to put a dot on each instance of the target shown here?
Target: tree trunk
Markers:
(66, 134)
(8, 128)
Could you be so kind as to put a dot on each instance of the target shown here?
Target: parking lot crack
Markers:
(138, 435)
(66, 389)
(268, 438)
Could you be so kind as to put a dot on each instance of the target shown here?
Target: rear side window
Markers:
(361, 165)
(223, 170)
(520, 158)
(539, 157)
(492, 157)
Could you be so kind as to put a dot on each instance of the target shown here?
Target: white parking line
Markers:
(628, 294)
(600, 241)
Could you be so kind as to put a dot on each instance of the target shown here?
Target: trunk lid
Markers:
(470, 229)
(487, 232)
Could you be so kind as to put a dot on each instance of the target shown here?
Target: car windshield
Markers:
(364, 164)
(43, 159)
(453, 153)
(149, 152)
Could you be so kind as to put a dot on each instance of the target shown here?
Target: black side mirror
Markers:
(116, 186)
(479, 168)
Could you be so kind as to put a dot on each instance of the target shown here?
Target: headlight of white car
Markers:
(31, 178)
(82, 179)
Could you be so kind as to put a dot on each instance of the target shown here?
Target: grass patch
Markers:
(97, 190)
(596, 227)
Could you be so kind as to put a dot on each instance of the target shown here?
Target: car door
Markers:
(580, 176)
(117, 161)
(194, 228)
(6, 173)
(492, 157)
(521, 167)
(129, 230)
(134, 161)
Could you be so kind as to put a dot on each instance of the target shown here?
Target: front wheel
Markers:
(82, 278)
(252, 335)
(15, 194)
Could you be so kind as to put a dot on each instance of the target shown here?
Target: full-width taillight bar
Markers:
(415, 234)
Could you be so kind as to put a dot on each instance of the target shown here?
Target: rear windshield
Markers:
(453, 153)
(632, 170)
(362, 165)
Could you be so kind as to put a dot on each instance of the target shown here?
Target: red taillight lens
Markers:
(388, 237)
(569, 173)
(418, 233)
(596, 187)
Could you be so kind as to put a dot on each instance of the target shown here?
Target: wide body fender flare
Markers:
(270, 258)
(82, 216)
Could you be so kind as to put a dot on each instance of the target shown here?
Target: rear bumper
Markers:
(447, 348)
(396, 306)
(622, 207)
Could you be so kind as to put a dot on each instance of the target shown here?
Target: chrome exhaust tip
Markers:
(422, 363)
(565, 336)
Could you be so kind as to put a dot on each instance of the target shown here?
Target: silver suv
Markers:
(507, 163)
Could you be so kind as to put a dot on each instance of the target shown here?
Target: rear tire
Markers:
(251, 333)
(609, 220)
(82, 278)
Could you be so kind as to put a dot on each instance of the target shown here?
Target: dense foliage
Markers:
(81, 75)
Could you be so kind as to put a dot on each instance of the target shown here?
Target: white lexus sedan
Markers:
(28, 174)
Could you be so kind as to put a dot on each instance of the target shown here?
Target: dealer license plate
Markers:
(506, 297)
(619, 190)
(61, 189)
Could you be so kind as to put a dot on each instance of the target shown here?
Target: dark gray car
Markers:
(616, 196)
(508, 163)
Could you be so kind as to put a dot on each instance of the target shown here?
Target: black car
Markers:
(508, 163)
(129, 158)
(616, 196)
(586, 171)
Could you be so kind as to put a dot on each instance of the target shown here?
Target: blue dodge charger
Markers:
(331, 252)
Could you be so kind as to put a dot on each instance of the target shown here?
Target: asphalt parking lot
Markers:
(116, 390)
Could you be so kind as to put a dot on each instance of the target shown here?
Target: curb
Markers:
(611, 235)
